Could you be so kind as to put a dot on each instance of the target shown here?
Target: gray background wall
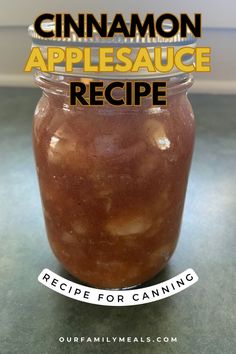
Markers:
(219, 23)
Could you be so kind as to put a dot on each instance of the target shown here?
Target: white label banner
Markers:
(118, 297)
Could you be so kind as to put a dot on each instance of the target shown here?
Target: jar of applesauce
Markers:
(112, 179)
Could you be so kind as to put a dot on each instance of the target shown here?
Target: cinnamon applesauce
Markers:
(113, 181)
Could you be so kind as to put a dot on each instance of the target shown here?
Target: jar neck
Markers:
(60, 84)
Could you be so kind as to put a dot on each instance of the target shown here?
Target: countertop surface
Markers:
(202, 317)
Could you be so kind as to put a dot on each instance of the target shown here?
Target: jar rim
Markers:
(60, 83)
(116, 42)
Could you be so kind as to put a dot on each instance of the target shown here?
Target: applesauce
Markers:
(113, 181)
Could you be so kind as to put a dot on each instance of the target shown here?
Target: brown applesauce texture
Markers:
(113, 182)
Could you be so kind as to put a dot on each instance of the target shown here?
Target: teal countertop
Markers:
(202, 318)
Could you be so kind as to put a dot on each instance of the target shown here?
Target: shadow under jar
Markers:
(112, 181)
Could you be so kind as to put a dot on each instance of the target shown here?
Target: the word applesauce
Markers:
(113, 181)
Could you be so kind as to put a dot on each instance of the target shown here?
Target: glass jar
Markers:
(112, 180)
